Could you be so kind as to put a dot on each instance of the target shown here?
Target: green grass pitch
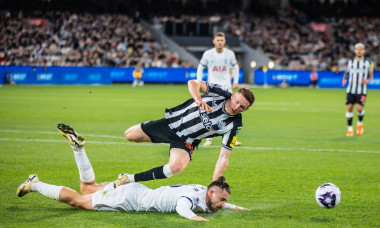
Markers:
(293, 141)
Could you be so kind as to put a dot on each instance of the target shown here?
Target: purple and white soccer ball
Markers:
(328, 195)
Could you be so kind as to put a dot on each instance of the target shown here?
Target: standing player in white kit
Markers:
(183, 199)
(221, 66)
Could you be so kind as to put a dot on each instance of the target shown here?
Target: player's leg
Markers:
(86, 172)
(63, 194)
(156, 131)
(208, 142)
(350, 100)
(178, 161)
(359, 126)
(136, 134)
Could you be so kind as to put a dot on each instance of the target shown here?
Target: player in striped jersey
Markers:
(360, 72)
(183, 199)
(216, 113)
(221, 67)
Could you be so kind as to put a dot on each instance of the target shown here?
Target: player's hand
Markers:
(204, 106)
(199, 218)
(234, 85)
(365, 81)
(344, 81)
(241, 208)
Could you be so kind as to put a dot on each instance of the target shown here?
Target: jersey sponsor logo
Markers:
(219, 69)
(221, 124)
(205, 119)
(232, 144)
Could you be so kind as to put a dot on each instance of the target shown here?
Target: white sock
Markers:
(86, 172)
(350, 128)
(360, 123)
(361, 113)
(131, 177)
(167, 171)
(48, 190)
(349, 114)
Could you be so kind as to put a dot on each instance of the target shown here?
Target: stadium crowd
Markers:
(291, 42)
(289, 39)
(79, 39)
(86, 39)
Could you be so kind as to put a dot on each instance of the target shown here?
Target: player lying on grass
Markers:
(183, 199)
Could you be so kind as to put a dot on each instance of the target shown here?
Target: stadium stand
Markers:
(58, 38)
(290, 38)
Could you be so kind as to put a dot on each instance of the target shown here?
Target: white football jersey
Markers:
(164, 199)
(138, 197)
(219, 66)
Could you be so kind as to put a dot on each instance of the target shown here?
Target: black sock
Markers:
(360, 117)
(349, 121)
(153, 174)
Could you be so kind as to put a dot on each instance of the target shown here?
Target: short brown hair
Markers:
(219, 34)
(248, 94)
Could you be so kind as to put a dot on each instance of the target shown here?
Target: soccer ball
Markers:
(328, 195)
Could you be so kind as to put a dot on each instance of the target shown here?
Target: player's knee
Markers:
(177, 168)
(129, 135)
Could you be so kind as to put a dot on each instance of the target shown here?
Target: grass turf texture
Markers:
(293, 141)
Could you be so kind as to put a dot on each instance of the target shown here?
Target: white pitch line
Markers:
(57, 133)
(240, 147)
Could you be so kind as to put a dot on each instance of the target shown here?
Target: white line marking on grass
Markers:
(242, 147)
(57, 133)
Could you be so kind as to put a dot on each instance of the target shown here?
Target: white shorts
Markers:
(123, 198)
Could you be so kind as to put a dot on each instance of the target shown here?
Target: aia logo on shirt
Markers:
(219, 69)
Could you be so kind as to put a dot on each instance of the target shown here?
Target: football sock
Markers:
(167, 171)
(349, 116)
(153, 174)
(361, 116)
(86, 172)
(48, 190)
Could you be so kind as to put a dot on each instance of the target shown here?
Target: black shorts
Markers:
(356, 98)
(160, 132)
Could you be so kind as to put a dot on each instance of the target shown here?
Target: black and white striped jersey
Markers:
(192, 124)
(357, 70)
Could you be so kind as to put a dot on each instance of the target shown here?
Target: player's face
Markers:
(359, 51)
(217, 200)
(237, 104)
(219, 42)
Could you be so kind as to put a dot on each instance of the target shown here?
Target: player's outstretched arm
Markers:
(199, 218)
(183, 208)
(222, 163)
(234, 207)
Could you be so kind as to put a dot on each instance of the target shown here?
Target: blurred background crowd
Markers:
(56, 35)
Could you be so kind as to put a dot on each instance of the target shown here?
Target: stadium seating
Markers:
(68, 39)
